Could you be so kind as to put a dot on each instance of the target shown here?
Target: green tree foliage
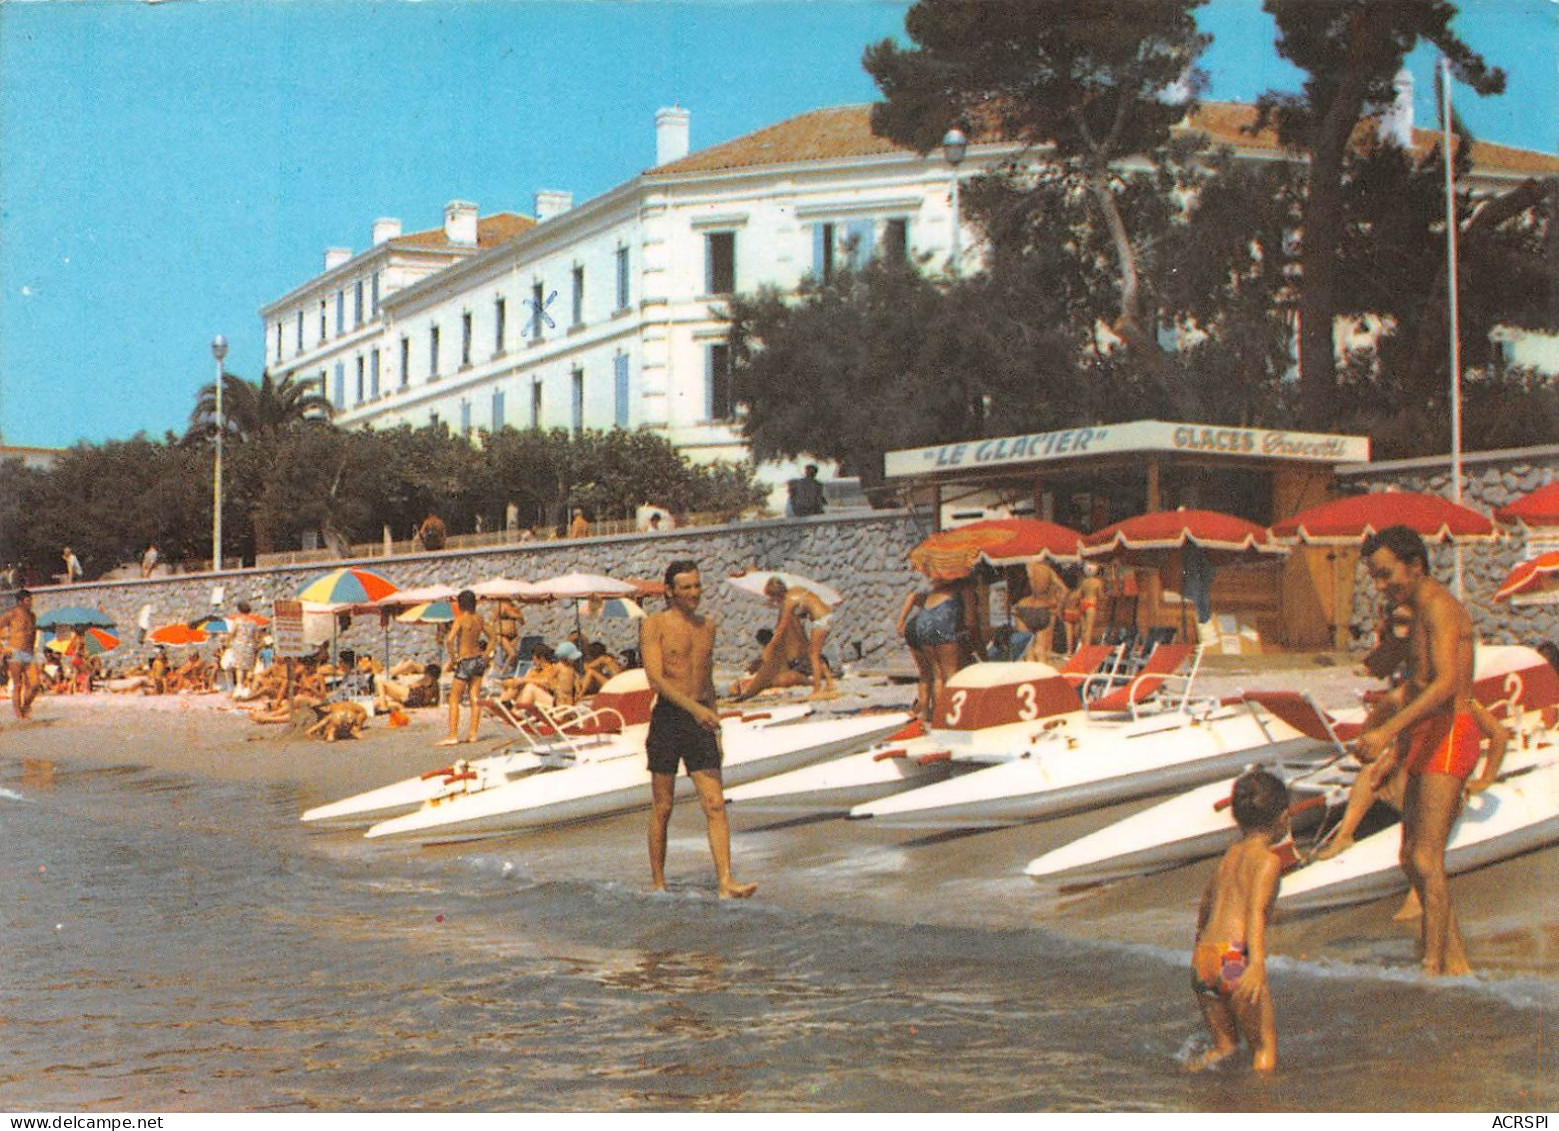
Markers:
(252, 409)
(109, 501)
(1350, 51)
(885, 358)
(1092, 81)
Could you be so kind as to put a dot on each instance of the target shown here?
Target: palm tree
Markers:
(250, 409)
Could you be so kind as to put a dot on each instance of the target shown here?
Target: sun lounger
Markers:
(1159, 673)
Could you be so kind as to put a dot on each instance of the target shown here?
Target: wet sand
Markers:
(808, 863)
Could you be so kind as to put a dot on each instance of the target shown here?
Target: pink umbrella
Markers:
(1540, 575)
(1348, 521)
(1540, 508)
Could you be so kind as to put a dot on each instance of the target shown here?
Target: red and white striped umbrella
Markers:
(1537, 579)
(1348, 521)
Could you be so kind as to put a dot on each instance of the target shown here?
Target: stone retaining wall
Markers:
(1489, 480)
(863, 557)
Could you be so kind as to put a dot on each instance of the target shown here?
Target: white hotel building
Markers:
(607, 313)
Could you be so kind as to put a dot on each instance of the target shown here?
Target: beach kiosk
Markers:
(1088, 477)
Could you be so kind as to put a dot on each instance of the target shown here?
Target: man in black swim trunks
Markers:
(469, 652)
(678, 647)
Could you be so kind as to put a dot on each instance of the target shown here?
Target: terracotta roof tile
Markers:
(845, 131)
(490, 232)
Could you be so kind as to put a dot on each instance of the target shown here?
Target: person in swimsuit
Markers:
(1229, 961)
(1040, 611)
(678, 646)
(18, 636)
(468, 657)
(509, 619)
(939, 630)
(1089, 590)
(925, 666)
(1438, 727)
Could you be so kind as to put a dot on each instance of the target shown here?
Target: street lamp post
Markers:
(218, 351)
(954, 145)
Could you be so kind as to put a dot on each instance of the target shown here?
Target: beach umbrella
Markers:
(97, 641)
(75, 616)
(752, 582)
(1198, 539)
(1540, 508)
(616, 608)
(1348, 521)
(581, 587)
(177, 635)
(498, 588)
(429, 612)
(349, 586)
(952, 554)
(1536, 581)
(216, 624)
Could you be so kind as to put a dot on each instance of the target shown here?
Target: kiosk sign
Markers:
(1140, 436)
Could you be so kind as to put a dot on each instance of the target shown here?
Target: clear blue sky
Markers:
(165, 169)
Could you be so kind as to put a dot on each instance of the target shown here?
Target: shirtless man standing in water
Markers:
(1441, 735)
(678, 647)
(468, 657)
(18, 634)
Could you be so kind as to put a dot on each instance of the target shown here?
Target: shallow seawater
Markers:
(178, 943)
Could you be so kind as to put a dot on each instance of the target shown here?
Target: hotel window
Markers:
(535, 402)
(465, 340)
(433, 420)
(720, 263)
(278, 341)
(340, 397)
(433, 354)
(357, 304)
(300, 331)
(375, 295)
(537, 310)
(578, 413)
(823, 251)
(622, 278)
(579, 296)
(717, 381)
(360, 371)
(340, 312)
(497, 410)
(465, 418)
(895, 241)
(405, 361)
(373, 374)
(324, 327)
(500, 324)
(620, 384)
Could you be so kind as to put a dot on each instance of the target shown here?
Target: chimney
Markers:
(335, 256)
(460, 223)
(671, 134)
(385, 229)
(1396, 124)
(552, 202)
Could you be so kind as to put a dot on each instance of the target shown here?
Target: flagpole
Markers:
(1451, 283)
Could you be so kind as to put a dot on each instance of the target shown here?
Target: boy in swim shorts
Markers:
(1229, 962)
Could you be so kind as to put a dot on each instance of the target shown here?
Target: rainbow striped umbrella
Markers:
(429, 612)
(97, 640)
(347, 587)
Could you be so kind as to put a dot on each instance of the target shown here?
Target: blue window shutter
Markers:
(860, 234)
(497, 410)
(620, 375)
(340, 385)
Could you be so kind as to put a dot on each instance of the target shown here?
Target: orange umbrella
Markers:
(177, 635)
(1540, 575)
(951, 554)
